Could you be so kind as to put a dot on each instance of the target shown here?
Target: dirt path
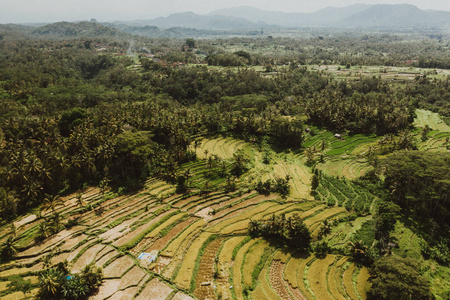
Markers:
(276, 280)
(296, 292)
(204, 283)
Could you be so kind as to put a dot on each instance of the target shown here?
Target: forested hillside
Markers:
(266, 168)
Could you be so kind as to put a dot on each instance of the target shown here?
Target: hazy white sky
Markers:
(19, 11)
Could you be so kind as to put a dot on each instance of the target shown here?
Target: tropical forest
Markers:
(273, 165)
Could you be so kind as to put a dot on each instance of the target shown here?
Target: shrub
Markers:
(321, 249)
(290, 232)
(58, 283)
(71, 222)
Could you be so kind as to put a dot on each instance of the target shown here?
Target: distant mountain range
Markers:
(193, 20)
(321, 17)
(354, 16)
(245, 21)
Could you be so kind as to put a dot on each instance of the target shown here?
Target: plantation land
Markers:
(157, 168)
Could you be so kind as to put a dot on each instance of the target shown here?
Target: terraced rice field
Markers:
(200, 241)
(426, 117)
(280, 166)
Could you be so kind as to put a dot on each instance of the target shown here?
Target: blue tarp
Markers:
(147, 256)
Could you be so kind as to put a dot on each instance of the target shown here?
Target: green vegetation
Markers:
(58, 283)
(418, 182)
(291, 231)
(399, 278)
(279, 146)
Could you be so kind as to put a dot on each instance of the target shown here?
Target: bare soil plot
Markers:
(105, 258)
(107, 250)
(181, 296)
(204, 284)
(118, 267)
(132, 278)
(71, 242)
(129, 236)
(160, 243)
(14, 296)
(51, 242)
(107, 289)
(14, 271)
(155, 290)
(74, 253)
(263, 290)
(161, 264)
(276, 280)
(183, 237)
(26, 220)
(112, 211)
(118, 231)
(237, 209)
(125, 294)
(87, 257)
(60, 258)
(224, 264)
(186, 270)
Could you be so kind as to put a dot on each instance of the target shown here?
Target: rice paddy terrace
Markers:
(159, 244)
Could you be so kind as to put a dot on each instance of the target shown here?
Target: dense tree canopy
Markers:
(398, 278)
(419, 182)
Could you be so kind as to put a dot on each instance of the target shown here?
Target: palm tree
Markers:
(103, 186)
(13, 230)
(187, 174)
(43, 229)
(51, 202)
(31, 190)
(323, 145)
(197, 144)
(8, 249)
(34, 165)
(254, 227)
(92, 276)
(79, 198)
(326, 228)
(309, 154)
(357, 250)
(50, 283)
(8, 203)
(239, 164)
(56, 222)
